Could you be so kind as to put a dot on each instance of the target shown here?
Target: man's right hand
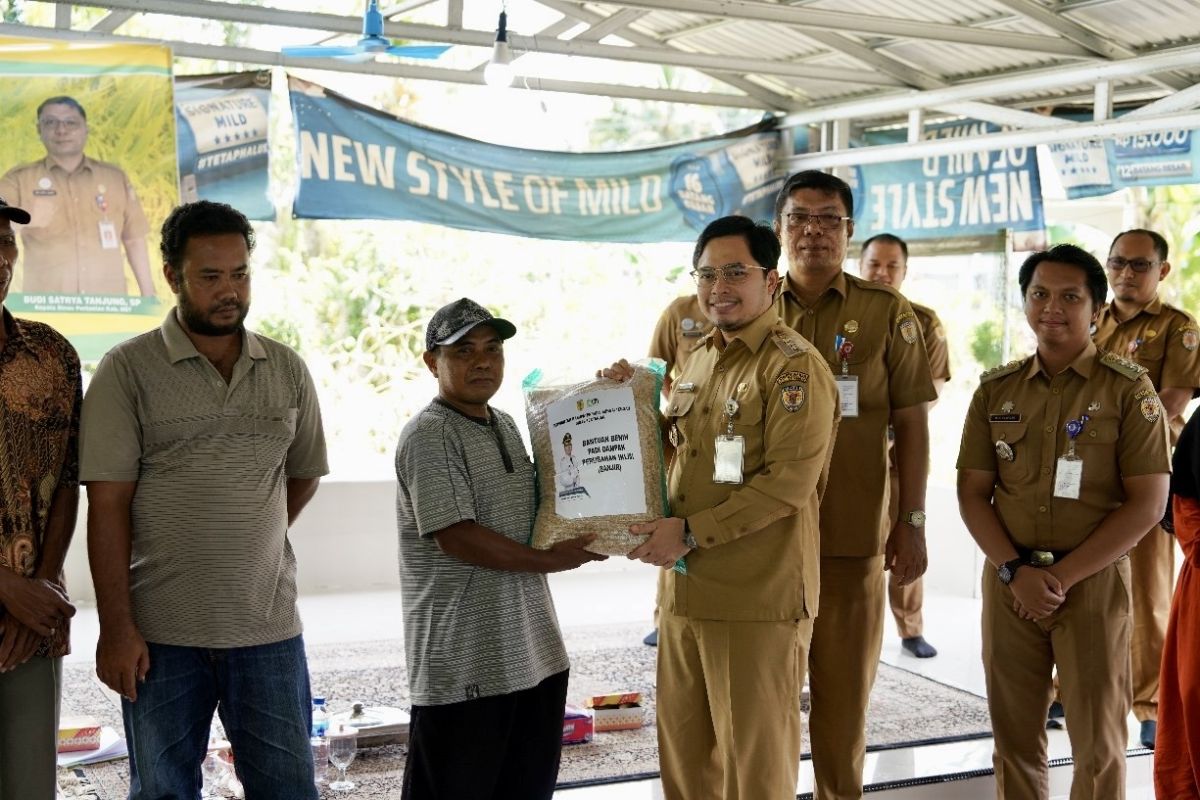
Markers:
(122, 660)
(620, 371)
(41, 604)
(571, 554)
(1037, 593)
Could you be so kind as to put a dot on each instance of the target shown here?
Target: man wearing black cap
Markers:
(39, 432)
(486, 662)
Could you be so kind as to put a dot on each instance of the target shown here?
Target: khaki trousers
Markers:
(905, 601)
(842, 663)
(1088, 640)
(29, 706)
(729, 707)
(1152, 564)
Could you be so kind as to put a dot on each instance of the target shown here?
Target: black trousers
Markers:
(493, 748)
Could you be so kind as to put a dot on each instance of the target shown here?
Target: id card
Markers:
(727, 466)
(848, 394)
(108, 236)
(1068, 477)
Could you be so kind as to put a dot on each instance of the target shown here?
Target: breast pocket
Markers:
(274, 430)
(1014, 456)
(680, 419)
(1096, 446)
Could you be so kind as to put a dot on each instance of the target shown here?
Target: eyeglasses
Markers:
(1116, 264)
(730, 273)
(50, 123)
(8, 241)
(799, 219)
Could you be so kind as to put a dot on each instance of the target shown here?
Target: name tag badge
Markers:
(1068, 477)
(727, 466)
(108, 236)
(848, 393)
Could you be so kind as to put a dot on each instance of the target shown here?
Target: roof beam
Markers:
(62, 16)
(234, 12)
(454, 14)
(246, 55)
(859, 23)
(1029, 81)
(929, 148)
(611, 24)
(1184, 100)
(112, 21)
(1000, 115)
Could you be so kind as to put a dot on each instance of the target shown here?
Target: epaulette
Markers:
(1122, 365)
(1002, 370)
(788, 341)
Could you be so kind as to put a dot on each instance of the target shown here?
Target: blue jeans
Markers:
(262, 696)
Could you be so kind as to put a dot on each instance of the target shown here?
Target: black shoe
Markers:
(1054, 718)
(651, 638)
(1148, 733)
(919, 647)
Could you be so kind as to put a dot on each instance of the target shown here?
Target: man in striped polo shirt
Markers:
(486, 662)
(201, 443)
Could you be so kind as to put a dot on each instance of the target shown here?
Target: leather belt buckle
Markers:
(1041, 558)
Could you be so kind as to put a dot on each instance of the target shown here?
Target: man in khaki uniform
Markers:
(83, 212)
(871, 339)
(679, 330)
(884, 259)
(1063, 468)
(1166, 341)
(751, 421)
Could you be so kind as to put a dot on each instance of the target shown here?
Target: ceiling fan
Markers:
(370, 45)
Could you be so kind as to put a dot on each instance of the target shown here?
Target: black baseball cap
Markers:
(454, 321)
(13, 213)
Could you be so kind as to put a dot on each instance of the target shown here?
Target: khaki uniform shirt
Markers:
(1026, 409)
(758, 553)
(936, 349)
(893, 372)
(1163, 339)
(64, 248)
(679, 331)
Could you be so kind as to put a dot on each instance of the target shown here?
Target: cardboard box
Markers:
(76, 734)
(577, 726)
(617, 711)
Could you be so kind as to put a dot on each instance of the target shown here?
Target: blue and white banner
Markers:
(1151, 158)
(960, 201)
(356, 162)
(223, 148)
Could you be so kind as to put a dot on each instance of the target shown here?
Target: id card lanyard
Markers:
(1068, 476)
(847, 384)
(730, 449)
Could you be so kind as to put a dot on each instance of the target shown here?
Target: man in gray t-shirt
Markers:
(201, 442)
(486, 661)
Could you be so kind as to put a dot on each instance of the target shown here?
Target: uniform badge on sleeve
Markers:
(793, 396)
(1191, 339)
(908, 327)
(1151, 409)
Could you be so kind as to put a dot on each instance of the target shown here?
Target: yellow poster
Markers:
(89, 134)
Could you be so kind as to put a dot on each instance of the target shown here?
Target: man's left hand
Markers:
(18, 643)
(905, 553)
(664, 545)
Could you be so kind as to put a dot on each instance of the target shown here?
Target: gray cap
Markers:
(454, 321)
(13, 213)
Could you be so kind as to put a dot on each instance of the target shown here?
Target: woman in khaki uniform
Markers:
(1063, 467)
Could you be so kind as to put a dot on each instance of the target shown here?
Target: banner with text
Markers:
(356, 162)
(89, 152)
(1151, 158)
(951, 203)
(223, 150)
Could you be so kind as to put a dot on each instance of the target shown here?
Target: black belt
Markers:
(1040, 558)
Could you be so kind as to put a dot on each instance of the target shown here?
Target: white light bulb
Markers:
(499, 71)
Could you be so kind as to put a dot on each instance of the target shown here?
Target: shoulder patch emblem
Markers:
(908, 326)
(1151, 409)
(791, 376)
(1190, 339)
(789, 346)
(793, 396)
(1123, 366)
(1001, 371)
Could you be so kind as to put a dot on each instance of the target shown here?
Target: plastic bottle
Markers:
(320, 717)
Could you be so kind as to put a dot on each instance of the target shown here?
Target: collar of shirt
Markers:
(752, 335)
(1082, 364)
(1109, 312)
(180, 347)
(838, 284)
(88, 163)
(15, 334)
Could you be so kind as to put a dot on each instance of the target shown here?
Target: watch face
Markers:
(916, 518)
(1005, 574)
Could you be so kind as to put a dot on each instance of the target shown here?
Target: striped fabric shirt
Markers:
(469, 631)
(211, 565)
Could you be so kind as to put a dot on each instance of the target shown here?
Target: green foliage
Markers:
(987, 343)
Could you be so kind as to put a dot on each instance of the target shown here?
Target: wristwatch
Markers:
(914, 518)
(1008, 570)
(688, 540)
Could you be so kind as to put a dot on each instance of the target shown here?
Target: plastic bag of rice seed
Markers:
(597, 449)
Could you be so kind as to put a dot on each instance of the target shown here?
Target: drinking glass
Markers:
(343, 745)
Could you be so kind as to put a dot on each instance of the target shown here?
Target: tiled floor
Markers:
(616, 592)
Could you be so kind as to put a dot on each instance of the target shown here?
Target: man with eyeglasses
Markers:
(1138, 325)
(751, 421)
(872, 340)
(39, 431)
(884, 259)
(83, 213)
